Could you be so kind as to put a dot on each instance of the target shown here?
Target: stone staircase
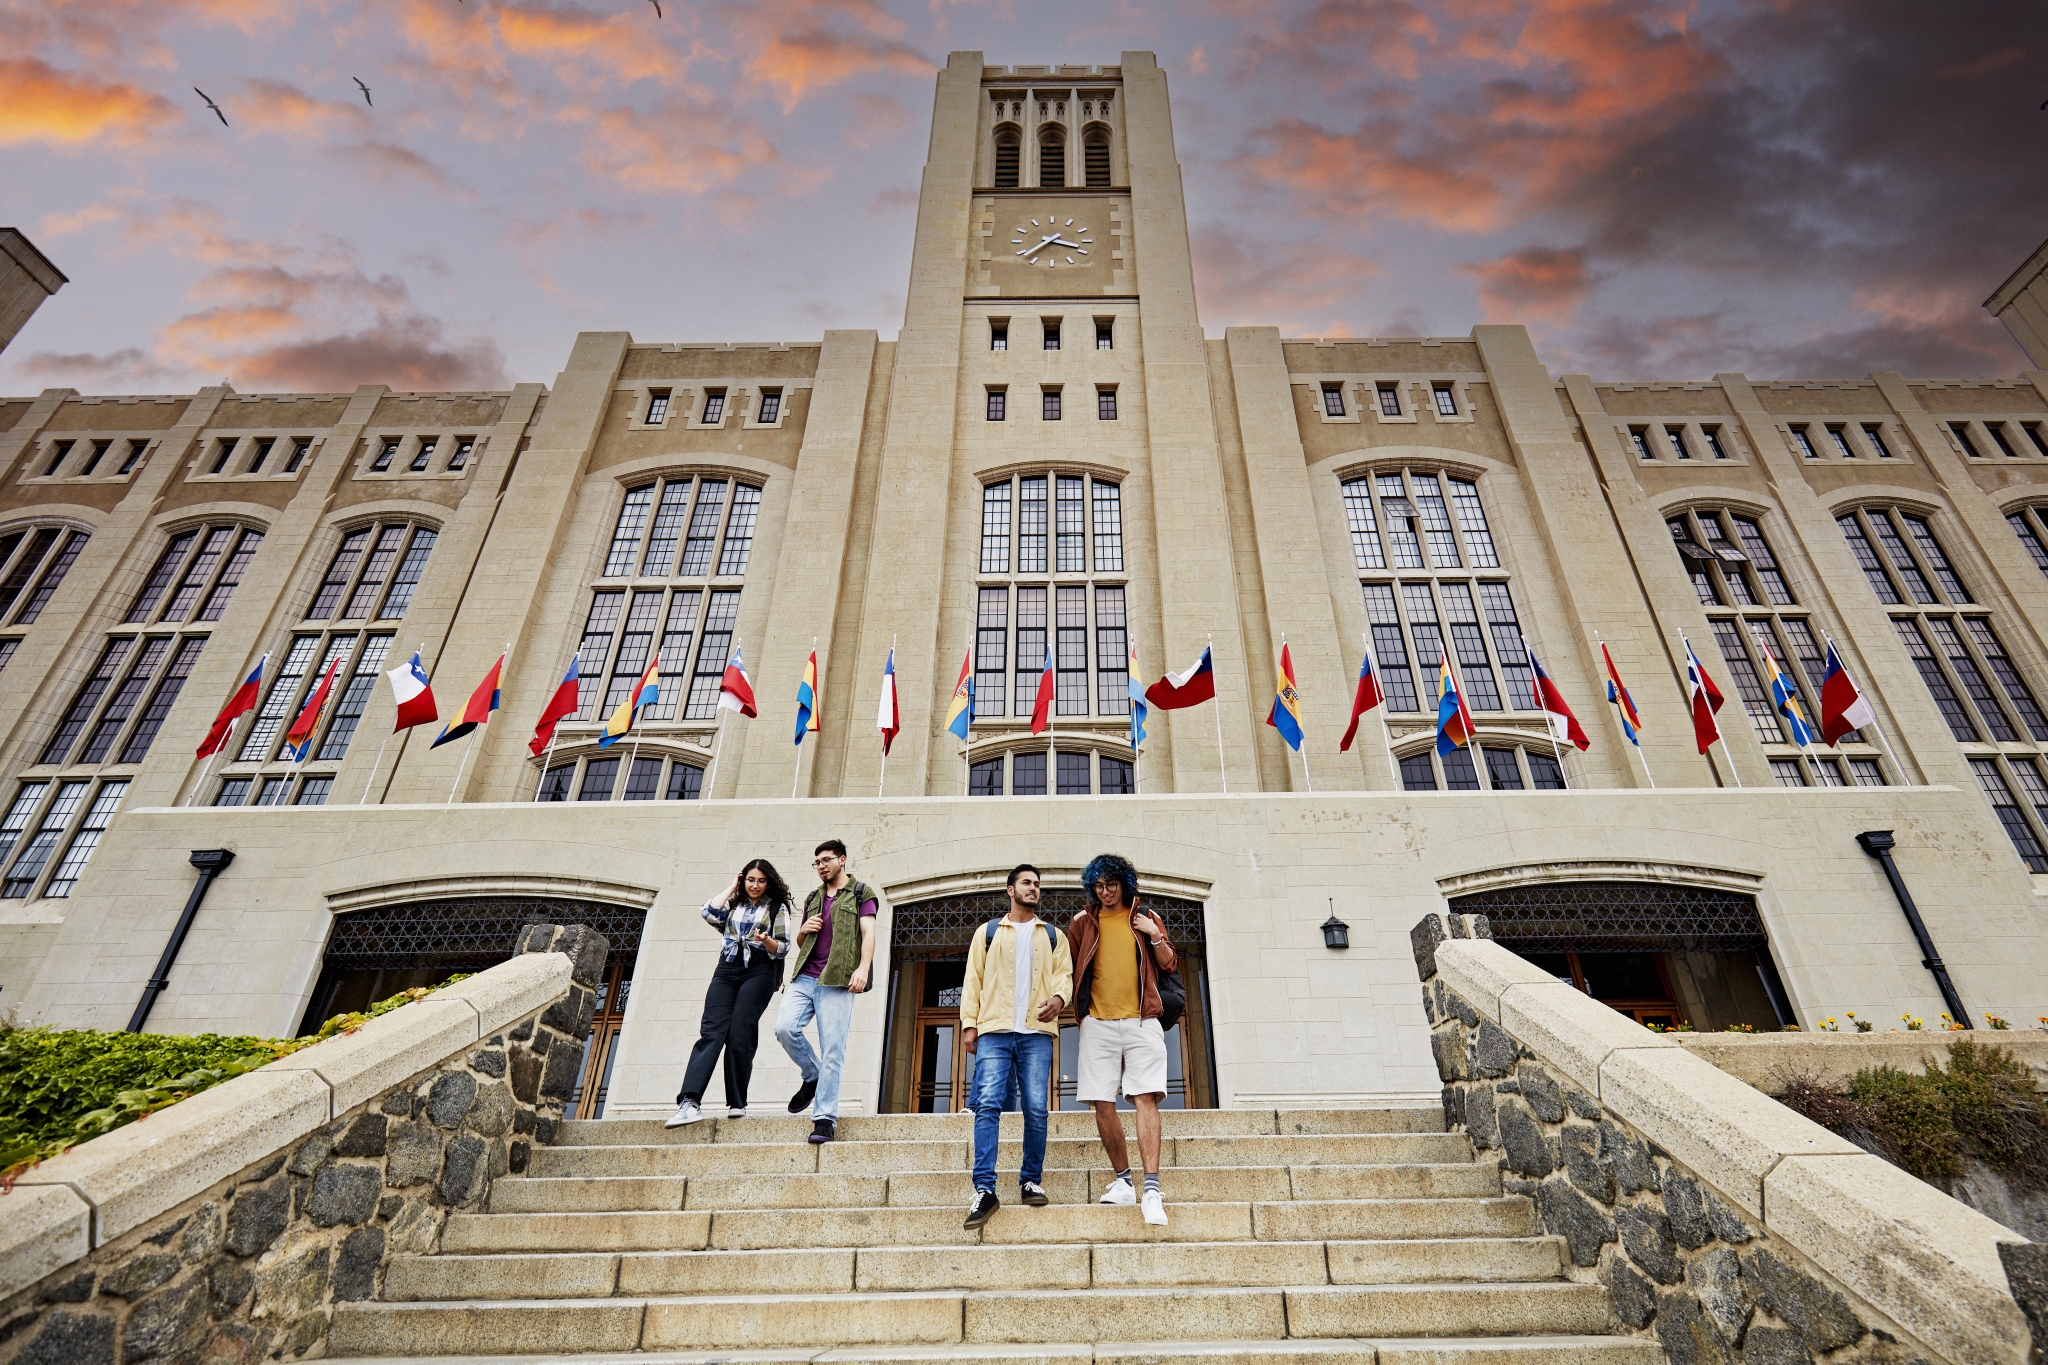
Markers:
(1365, 1234)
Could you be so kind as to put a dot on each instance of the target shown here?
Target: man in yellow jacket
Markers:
(1019, 975)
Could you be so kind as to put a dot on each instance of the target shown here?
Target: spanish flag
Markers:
(646, 692)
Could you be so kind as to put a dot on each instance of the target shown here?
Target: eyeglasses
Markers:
(820, 862)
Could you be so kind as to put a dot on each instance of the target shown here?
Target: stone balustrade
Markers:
(1725, 1226)
(227, 1226)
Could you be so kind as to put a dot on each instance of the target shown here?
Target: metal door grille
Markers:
(468, 934)
(1619, 917)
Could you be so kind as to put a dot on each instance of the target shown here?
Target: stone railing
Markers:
(227, 1226)
(1725, 1226)
(1762, 1058)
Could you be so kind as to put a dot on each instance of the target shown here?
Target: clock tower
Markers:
(1050, 339)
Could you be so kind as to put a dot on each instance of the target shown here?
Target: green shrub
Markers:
(1995, 1108)
(1912, 1117)
(60, 1087)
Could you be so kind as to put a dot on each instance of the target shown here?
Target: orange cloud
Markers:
(618, 45)
(1542, 283)
(682, 146)
(1244, 280)
(795, 64)
(276, 107)
(39, 103)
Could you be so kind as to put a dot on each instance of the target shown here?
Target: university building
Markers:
(1050, 455)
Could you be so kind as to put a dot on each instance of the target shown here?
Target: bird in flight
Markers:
(211, 105)
(657, 7)
(365, 89)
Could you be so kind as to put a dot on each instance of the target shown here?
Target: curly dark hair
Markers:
(778, 890)
(1110, 865)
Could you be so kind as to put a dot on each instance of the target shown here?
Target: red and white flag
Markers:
(243, 702)
(413, 693)
(1703, 697)
(735, 693)
(887, 718)
(1843, 708)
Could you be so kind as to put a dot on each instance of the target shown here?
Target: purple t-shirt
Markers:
(821, 946)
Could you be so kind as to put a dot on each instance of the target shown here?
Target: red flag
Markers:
(299, 738)
(1704, 698)
(1041, 710)
(1563, 724)
(1367, 697)
(563, 703)
(238, 705)
(1843, 708)
(482, 702)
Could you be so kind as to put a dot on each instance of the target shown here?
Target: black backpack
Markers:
(1173, 994)
(988, 936)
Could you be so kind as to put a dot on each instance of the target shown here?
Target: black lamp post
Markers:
(1336, 933)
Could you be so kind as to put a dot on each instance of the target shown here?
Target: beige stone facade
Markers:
(1147, 487)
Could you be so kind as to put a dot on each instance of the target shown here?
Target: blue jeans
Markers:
(1003, 1061)
(832, 1007)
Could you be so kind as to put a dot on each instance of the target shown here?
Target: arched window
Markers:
(1095, 155)
(1757, 623)
(1009, 153)
(1957, 651)
(1433, 581)
(1052, 158)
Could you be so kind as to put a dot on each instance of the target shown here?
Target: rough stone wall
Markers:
(251, 1269)
(1683, 1265)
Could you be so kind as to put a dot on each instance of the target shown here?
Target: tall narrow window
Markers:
(1112, 660)
(28, 867)
(721, 618)
(704, 523)
(161, 700)
(599, 629)
(340, 572)
(1390, 400)
(1096, 150)
(291, 466)
(19, 813)
(22, 568)
(771, 407)
(135, 449)
(657, 407)
(1052, 159)
(1839, 439)
(1109, 528)
(276, 710)
(2025, 523)
(636, 642)
(1676, 436)
(739, 531)
(1390, 651)
(676, 637)
(626, 535)
(106, 732)
(998, 405)
(355, 698)
(1446, 400)
(465, 446)
(369, 590)
(667, 531)
(1069, 525)
(198, 573)
(424, 456)
(1804, 442)
(1333, 400)
(1031, 524)
(714, 407)
(1997, 430)
(1105, 404)
(263, 449)
(1961, 431)
(995, 528)
(1640, 440)
(999, 334)
(1070, 650)
(2024, 840)
(387, 451)
(1714, 446)
(52, 579)
(1030, 657)
(410, 569)
(83, 705)
(222, 449)
(2037, 435)
(1875, 436)
(991, 651)
(1105, 334)
(1051, 333)
(1008, 149)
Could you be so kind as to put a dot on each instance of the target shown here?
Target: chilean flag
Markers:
(1563, 724)
(1367, 697)
(414, 695)
(482, 702)
(735, 693)
(1704, 698)
(299, 739)
(1843, 709)
(1191, 688)
(242, 702)
(563, 703)
(888, 719)
(1041, 710)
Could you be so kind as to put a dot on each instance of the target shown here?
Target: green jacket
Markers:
(844, 958)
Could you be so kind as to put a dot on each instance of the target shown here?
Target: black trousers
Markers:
(733, 1005)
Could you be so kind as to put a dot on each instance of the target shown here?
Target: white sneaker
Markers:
(1155, 1209)
(1120, 1192)
(735, 1113)
(686, 1113)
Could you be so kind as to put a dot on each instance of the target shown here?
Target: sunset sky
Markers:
(1659, 190)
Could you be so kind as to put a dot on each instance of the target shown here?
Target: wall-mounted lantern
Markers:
(1336, 933)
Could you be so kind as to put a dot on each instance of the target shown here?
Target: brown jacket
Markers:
(1084, 935)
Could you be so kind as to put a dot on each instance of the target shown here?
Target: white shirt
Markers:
(1027, 937)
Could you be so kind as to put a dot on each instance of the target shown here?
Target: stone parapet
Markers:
(1725, 1226)
(1758, 1058)
(228, 1226)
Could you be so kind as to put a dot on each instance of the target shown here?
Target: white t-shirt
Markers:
(1027, 938)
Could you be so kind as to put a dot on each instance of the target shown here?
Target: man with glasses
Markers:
(1018, 978)
(1119, 954)
(834, 957)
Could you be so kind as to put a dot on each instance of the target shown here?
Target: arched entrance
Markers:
(376, 952)
(925, 1069)
(1662, 953)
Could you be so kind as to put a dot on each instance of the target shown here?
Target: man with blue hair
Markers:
(1119, 953)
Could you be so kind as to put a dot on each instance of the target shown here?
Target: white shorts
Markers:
(1126, 1053)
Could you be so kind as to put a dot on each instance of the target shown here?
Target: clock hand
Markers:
(1041, 245)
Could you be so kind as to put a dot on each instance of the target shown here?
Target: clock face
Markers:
(1052, 241)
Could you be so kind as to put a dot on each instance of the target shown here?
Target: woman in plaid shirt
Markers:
(753, 918)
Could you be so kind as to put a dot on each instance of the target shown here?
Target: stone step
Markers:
(883, 1158)
(806, 1229)
(947, 1189)
(1068, 1124)
(970, 1266)
(1554, 1350)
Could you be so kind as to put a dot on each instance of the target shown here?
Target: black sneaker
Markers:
(984, 1208)
(823, 1130)
(1034, 1194)
(801, 1100)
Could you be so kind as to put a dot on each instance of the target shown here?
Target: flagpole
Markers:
(717, 744)
(1904, 779)
(1471, 740)
(1692, 659)
(205, 773)
(373, 771)
(882, 778)
(798, 775)
(1222, 764)
(1386, 734)
(468, 743)
(1555, 751)
(548, 761)
(1637, 742)
(1307, 779)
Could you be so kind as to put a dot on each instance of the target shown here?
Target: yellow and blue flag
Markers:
(1286, 713)
(1454, 724)
(961, 715)
(1785, 699)
(1138, 710)
(646, 692)
(807, 699)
